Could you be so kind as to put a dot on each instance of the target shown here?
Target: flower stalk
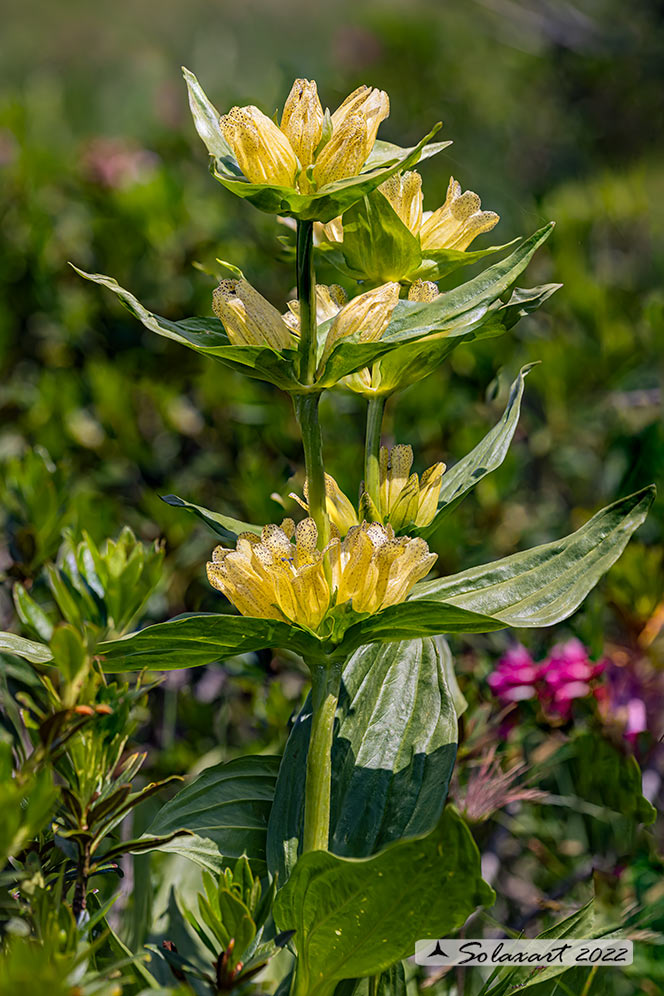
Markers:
(375, 412)
(306, 293)
(325, 685)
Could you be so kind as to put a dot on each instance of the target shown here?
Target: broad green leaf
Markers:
(392, 757)
(377, 246)
(542, 586)
(475, 294)
(224, 525)
(417, 618)
(485, 457)
(354, 917)
(439, 263)
(200, 638)
(407, 362)
(36, 653)
(207, 336)
(226, 808)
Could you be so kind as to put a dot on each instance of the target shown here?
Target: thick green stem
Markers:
(325, 684)
(375, 411)
(306, 411)
(306, 294)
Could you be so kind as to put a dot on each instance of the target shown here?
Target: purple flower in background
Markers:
(515, 676)
(566, 675)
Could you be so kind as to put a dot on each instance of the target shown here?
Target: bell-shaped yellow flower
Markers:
(454, 225)
(457, 222)
(275, 578)
(368, 314)
(405, 498)
(263, 152)
(282, 154)
(302, 120)
(249, 319)
(329, 301)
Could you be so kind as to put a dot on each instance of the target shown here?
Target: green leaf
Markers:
(484, 458)
(200, 638)
(207, 336)
(417, 618)
(377, 246)
(391, 982)
(226, 808)
(36, 653)
(31, 614)
(224, 525)
(357, 916)
(542, 586)
(206, 118)
(474, 295)
(606, 776)
(439, 263)
(392, 757)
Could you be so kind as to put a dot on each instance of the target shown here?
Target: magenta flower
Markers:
(566, 675)
(514, 678)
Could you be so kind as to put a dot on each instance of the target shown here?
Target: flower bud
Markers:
(302, 120)
(345, 153)
(249, 319)
(372, 104)
(263, 152)
(369, 314)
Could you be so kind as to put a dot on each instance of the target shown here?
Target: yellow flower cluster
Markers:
(309, 148)
(454, 225)
(403, 498)
(281, 574)
(250, 320)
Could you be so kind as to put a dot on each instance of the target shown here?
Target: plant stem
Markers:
(325, 684)
(306, 411)
(306, 294)
(80, 892)
(375, 412)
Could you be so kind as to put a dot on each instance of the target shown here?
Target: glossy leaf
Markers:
(392, 757)
(36, 653)
(439, 263)
(484, 458)
(226, 809)
(223, 525)
(417, 618)
(542, 586)
(199, 638)
(475, 294)
(417, 888)
(377, 246)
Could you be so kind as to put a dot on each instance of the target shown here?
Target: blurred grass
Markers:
(554, 113)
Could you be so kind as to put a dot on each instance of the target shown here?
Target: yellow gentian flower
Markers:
(405, 498)
(275, 578)
(248, 318)
(282, 154)
(454, 225)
